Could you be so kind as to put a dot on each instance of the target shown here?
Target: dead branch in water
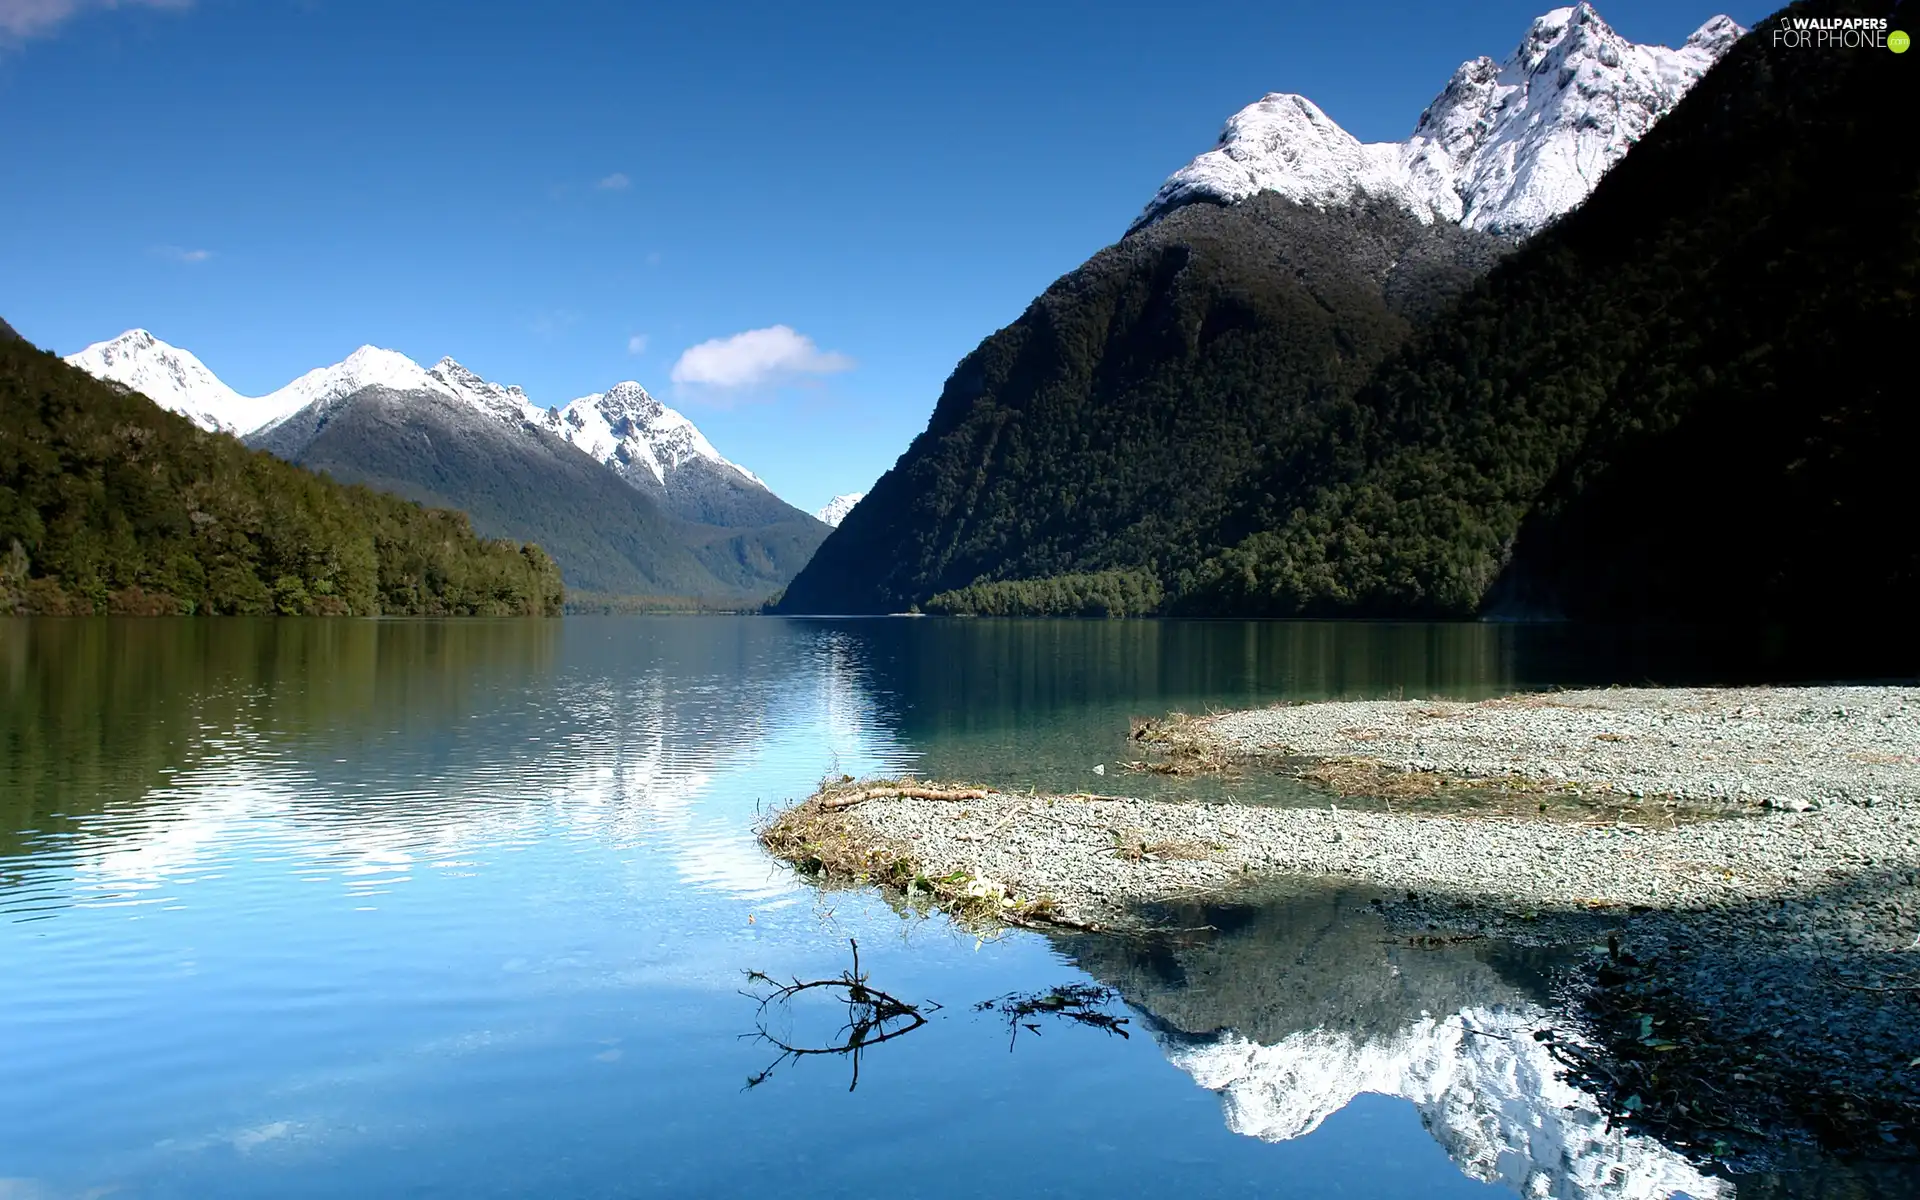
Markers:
(1081, 1003)
(834, 801)
(873, 1017)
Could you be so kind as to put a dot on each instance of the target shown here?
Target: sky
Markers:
(790, 221)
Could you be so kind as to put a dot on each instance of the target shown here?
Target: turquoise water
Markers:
(310, 908)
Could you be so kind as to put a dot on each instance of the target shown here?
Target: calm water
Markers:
(343, 908)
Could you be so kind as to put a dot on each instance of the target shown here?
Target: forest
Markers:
(1099, 594)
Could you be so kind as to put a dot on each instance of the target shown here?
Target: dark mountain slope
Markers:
(1687, 398)
(516, 481)
(110, 504)
(1112, 424)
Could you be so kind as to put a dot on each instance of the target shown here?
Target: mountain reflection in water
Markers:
(1296, 1006)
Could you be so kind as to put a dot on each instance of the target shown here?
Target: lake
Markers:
(465, 908)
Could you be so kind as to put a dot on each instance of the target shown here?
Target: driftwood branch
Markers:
(1080, 1003)
(873, 1017)
(899, 792)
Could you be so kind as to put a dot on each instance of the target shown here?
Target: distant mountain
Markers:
(1505, 148)
(663, 454)
(836, 509)
(700, 526)
(110, 505)
(1124, 422)
(435, 436)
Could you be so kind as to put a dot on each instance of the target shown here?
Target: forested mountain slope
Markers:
(1687, 398)
(1111, 425)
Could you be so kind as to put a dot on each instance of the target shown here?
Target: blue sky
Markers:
(564, 196)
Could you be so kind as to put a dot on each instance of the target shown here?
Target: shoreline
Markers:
(1752, 856)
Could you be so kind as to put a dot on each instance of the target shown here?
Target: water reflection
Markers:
(397, 905)
(142, 756)
(1295, 1007)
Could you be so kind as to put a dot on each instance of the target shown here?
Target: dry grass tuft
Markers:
(1135, 845)
(1516, 796)
(1177, 747)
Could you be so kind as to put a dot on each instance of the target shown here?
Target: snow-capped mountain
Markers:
(369, 366)
(1490, 1093)
(662, 453)
(174, 379)
(646, 443)
(505, 401)
(1505, 147)
(836, 509)
(630, 431)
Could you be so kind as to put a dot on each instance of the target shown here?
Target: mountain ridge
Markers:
(684, 520)
(1504, 148)
(664, 440)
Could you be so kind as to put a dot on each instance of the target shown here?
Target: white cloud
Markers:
(20, 19)
(616, 182)
(179, 254)
(755, 358)
(637, 344)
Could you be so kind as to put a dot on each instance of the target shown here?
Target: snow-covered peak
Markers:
(836, 509)
(1713, 39)
(1505, 147)
(172, 378)
(629, 430)
(1492, 1095)
(505, 401)
(369, 366)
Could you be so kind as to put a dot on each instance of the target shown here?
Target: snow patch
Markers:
(836, 509)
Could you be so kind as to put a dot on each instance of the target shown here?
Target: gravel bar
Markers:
(1782, 918)
(1791, 747)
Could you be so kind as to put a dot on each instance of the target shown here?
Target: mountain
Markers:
(177, 381)
(109, 504)
(1128, 422)
(1679, 402)
(7, 333)
(836, 509)
(702, 527)
(661, 452)
(1111, 425)
(1504, 148)
(381, 420)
